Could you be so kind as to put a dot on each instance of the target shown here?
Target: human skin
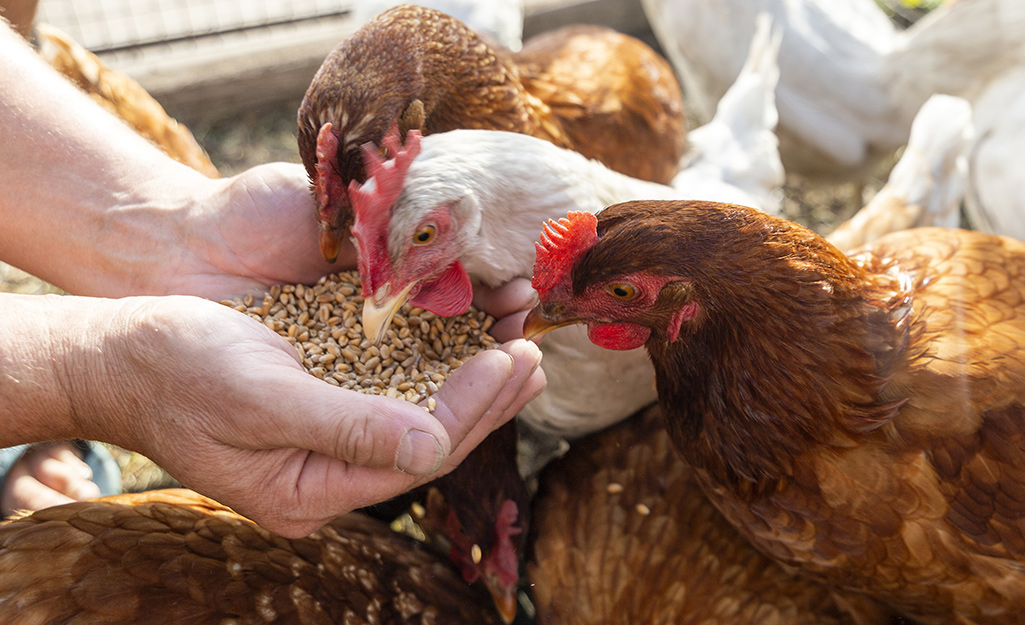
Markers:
(134, 358)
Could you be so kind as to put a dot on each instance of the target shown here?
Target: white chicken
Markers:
(995, 199)
(738, 149)
(926, 186)
(850, 82)
(471, 205)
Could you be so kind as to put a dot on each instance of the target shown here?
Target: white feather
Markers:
(995, 200)
(735, 157)
(509, 184)
(926, 186)
(850, 82)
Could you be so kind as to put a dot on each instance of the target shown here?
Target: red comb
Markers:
(561, 245)
(372, 206)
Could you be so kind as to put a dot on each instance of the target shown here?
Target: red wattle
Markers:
(449, 294)
(618, 336)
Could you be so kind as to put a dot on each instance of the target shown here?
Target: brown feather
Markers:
(604, 94)
(861, 418)
(177, 557)
(625, 535)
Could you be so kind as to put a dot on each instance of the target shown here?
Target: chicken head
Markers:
(621, 311)
(400, 262)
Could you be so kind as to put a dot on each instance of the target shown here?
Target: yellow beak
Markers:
(379, 309)
(537, 325)
(505, 603)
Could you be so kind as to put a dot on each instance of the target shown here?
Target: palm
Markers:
(262, 231)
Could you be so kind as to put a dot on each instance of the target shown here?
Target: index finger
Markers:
(468, 406)
(513, 296)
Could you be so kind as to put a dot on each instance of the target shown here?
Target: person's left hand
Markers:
(47, 475)
(254, 230)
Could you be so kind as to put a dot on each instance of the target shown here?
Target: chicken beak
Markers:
(379, 309)
(537, 324)
(330, 242)
(505, 601)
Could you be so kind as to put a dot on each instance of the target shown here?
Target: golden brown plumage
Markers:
(860, 418)
(122, 96)
(479, 513)
(625, 535)
(177, 557)
(588, 88)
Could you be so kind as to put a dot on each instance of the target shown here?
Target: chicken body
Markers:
(995, 199)
(482, 509)
(624, 534)
(177, 557)
(483, 194)
(926, 186)
(860, 418)
(122, 96)
(599, 92)
(850, 82)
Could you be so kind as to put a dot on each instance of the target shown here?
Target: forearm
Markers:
(35, 360)
(86, 201)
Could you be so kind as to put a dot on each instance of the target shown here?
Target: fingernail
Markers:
(539, 356)
(419, 453)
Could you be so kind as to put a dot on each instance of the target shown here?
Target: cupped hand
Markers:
(250, 231)
(223, 404)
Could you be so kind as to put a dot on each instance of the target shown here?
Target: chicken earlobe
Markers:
(413, 118)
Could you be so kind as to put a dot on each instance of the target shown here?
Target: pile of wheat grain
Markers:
(322, 321)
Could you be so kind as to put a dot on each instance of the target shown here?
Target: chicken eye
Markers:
(424, 235)
(622, 291)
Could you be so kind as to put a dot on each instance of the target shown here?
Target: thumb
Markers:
(380, 432)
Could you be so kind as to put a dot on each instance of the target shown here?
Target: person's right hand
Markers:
(223, 404)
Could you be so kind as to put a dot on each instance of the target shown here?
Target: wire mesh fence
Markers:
(110, 25)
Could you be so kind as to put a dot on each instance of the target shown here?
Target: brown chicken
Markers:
(481, 512)
(858, 418)
(177, 557)
(122, 96)
(625, 535)
(599, 92)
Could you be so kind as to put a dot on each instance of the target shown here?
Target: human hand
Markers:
(509, 303)
(47, 475)
(251, 231)
(223, 405)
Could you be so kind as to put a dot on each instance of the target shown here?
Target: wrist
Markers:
(103, 362)
(86, 199)
(65, 370)
(146, 236)
(34, 405)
